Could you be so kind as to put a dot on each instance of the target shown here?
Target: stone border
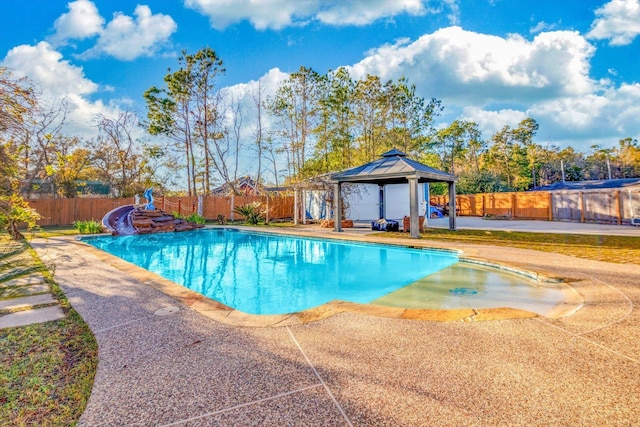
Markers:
(230, 316)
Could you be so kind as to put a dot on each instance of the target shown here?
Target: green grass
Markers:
(617, 249)
(53, 231)
(48, 368)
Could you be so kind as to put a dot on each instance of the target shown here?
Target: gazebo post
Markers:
(337, 207)
(427, 205)
(304, 207)
(381, 201)
(414, 222)
(452, 206)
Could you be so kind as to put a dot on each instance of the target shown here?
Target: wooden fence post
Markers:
(513, 205)
(232, 207)
(266, 215)
(179, 206)
(582, 216)
(163, 207)
(550, 206)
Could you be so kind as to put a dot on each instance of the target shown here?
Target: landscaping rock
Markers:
(159, 221)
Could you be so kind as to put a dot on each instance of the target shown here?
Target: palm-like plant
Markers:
(251, 212)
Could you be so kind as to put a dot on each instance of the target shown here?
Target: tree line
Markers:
(198, 135)
(46, 160)
(323, 123)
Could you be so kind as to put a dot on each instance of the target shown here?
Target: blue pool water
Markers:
(268, 274)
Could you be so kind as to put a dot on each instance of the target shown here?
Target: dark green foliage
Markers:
(252, 212)
(88, 227)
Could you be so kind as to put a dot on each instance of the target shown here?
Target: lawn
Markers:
(617, 249)
(47, 369)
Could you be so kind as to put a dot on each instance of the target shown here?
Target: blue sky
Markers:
(573, 65)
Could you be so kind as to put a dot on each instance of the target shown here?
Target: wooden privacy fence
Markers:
(67, 211)
(613, 205)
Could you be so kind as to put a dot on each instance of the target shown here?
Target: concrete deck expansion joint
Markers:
(315, 371)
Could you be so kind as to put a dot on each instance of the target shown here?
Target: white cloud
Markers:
(541, 26)
(277, 14)
(610, 115)
(57, 79)
(274, 14)
(365, 12)
(498, 81)
(45, 66)
(454, 11)
(617, 21)
(581, 121)
(246, 93)
(490, 122)
(126, 38)
(455, 64)
(82, 21)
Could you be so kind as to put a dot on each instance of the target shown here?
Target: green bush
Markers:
(196, 219)
(88, 227)
(14, 210)
(251, 212)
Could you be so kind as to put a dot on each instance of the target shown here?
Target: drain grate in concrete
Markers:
(166, 311)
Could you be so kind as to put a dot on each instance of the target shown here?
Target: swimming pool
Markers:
(263, 273)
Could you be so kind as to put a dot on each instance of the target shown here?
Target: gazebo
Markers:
(395, 168)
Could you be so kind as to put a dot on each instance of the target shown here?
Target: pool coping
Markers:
(230, 316)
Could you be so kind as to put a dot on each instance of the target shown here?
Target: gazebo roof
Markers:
(393, 168)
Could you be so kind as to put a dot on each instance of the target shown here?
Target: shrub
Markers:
(14, 211)
(196, 219)
(251, 212)
(88, 227)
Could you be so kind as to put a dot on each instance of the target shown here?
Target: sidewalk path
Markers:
(477, 223)
(162, 363)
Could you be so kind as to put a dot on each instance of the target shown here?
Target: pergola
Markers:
(395, 168)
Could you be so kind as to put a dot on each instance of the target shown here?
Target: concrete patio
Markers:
(164, 362)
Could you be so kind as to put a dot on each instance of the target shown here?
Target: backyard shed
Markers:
(395, 168)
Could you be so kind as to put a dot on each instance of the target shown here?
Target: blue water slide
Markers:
(118, 221)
